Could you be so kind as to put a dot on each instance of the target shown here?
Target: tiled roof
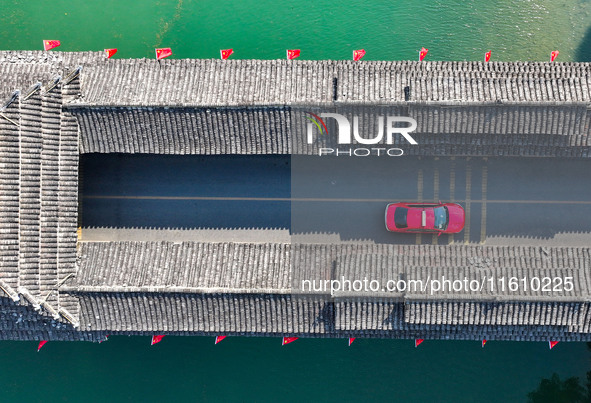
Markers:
(211, 82)
(508, 130)
(18, 321)
(38, 206)
(201, 288)
(195, 267)
(184, 130)
(306, 316)
(9, 195)
(278, 82)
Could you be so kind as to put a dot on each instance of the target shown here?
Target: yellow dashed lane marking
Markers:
(419, 238)
(483, 216)
(452, 192)
(435, 238)
(467, 202)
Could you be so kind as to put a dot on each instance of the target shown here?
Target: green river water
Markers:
(239, 369)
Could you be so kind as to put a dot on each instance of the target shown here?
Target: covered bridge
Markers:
(57, 105)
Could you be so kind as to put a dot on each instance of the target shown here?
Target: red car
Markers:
(440, 218)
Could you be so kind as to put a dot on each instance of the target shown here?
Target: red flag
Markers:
(418, 341)
(157, 339)
(553, 55)
(161, 53)
(422, 54)
(351, 339)
(487, 56)
(219, 338)
(358, 54)
(110, 52)
(41, 344)
(50, 44)
(483, 342)
(552, 343)
(225, 53)
(293, 53)
(287, 340)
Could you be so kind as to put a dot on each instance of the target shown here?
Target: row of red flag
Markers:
(162, 53)
(286, 340)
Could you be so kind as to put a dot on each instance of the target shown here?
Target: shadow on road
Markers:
(338, 199)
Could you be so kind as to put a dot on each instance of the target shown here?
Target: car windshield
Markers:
(441, 217)
(400, 217)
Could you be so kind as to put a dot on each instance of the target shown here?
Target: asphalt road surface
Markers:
(508, 201)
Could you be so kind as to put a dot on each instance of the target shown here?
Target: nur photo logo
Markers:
(386, 129)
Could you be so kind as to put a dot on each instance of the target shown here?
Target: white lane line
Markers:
(319, 199)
